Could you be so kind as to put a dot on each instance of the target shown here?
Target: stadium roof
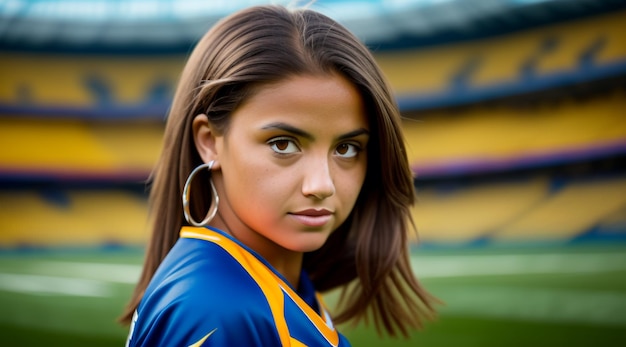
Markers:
(173, 26)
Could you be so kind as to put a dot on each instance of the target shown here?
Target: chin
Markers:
(309, 243)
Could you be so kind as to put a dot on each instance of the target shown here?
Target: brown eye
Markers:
(347, 150)
(283, 145)
(343, 149)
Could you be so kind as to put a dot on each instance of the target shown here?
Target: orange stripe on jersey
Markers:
(330, 334)
(296, 343)
(256, 269)
(271, 285)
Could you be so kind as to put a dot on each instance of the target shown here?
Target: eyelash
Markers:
(290, 141)
(357, 148)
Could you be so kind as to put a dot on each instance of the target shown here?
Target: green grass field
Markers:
(561, 296)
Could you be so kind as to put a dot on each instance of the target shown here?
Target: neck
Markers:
(287, 262)
(290, 266)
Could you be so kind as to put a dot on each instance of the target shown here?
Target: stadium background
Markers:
(514, 115)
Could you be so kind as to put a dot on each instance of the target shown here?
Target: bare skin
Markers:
(290, 168)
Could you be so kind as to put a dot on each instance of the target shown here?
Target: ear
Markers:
(205, 139)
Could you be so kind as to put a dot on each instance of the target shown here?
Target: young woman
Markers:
(284, 130)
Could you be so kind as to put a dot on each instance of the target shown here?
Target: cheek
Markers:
(349, 187)
(255, 189)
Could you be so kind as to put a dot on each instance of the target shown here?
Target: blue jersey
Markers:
(211, 290)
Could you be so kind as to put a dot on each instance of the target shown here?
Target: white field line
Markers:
(119, 273)
(489, 301)
(536, 304)
(516, 264)
(524, 303)
(70, 278)
(94, 279)
(38, 284)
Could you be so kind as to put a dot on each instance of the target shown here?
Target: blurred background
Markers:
(515, 118)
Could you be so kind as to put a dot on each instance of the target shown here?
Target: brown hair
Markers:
(267, 44)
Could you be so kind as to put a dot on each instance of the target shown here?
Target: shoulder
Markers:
(200, 290)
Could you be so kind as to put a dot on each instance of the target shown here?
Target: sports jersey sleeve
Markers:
(211, 290)
(180, 325)
(204, 303)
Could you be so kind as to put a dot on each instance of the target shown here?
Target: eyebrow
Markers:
(302, 133)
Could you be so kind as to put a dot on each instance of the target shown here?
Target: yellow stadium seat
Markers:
(475, 211)
(75, 147)
(575, 38)
(499, 134)
(426, 71)
(79, 82)
(568, 213)
(89, 218)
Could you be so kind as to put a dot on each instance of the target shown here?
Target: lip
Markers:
(313, 217)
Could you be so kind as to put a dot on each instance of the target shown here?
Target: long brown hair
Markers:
(267, 44)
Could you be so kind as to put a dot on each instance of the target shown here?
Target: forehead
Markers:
(329, 102)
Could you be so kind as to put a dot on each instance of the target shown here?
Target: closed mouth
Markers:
(313, 217)
(313, 212)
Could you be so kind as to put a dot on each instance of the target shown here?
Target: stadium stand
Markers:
(610, 227)
(580, 49)
(33, 219)
(466, 215)
(87, 85)
(75, 148)
(501, 59)
(530, 60)
(508, 106)
(571, 211)
(500, 137)
(596, 41)
(425, 71)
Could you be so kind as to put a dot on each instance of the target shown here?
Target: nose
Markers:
(318, 181)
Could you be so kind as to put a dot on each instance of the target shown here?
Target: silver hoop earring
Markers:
(215, 199)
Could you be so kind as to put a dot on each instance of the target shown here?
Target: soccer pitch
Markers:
(558, 296)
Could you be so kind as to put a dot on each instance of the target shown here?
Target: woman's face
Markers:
(292, 163)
